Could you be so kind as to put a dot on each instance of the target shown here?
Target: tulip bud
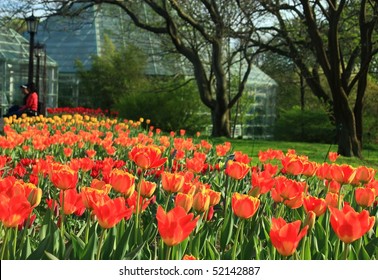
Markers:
(310, 220)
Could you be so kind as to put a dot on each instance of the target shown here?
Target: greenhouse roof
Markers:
(258, 78)
(14, 48)
(77, 39)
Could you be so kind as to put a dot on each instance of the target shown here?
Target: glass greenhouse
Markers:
(14, 65)
(77, 39)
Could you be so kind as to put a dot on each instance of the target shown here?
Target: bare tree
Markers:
(210, 34)
(332, 43)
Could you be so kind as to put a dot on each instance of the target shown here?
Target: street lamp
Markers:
(32, 24)
(38, 50)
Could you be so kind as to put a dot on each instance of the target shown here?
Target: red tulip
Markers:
(172, 182)
(14, 210)
(237, 170)
(314, 204)
(176, 225)
(122, 182)
(285, 236)
(364, 196)
(244, 206)
(112, 212)
(147, 157)
(63, 177)
(350, 225)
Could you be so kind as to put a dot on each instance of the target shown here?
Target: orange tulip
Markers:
(244, 206)
(350, 225)
(201, 201)
(197, 163)
(188, 257)
(122, 182)
(73, 202)
(147, 188)
(112, 212)
(314, 204)
(184, 200)
(236, 170)
(63, 177)
(332, 156)
(363, 175)
(292, 164)
(176, 225)
(290, 191)
(172, 182)
(14, 210)
(138, 205)
(285, 236)
(147, 157)
(222, 149)
(92, 197)
(262, 182)
(29, 190)
(343, 174)
(332, 199)
(214, 196)
(364, 196)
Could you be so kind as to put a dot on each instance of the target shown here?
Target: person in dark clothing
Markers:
(30, 106)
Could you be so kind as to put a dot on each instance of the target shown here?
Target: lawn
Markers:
(315, 151)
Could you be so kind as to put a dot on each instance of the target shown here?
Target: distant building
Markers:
(69, 40)
(14, 67)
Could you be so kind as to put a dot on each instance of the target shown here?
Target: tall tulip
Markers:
(285, 236)
(350, 225)
(122, 182)
(147, 157)
(63, 177)
(244, 206)
(176, 225)
(237, 170)
(112, 212)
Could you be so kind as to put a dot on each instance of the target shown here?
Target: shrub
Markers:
(305, 126)
(170, 104)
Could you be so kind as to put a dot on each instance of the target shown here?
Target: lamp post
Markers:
(39, 50)
(32, 24)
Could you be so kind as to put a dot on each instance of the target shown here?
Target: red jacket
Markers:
(31, 102)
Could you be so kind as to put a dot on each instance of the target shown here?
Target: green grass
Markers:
(315, 152)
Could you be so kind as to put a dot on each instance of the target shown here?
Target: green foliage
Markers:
(305, 126)
(170, 103)
(113, 74)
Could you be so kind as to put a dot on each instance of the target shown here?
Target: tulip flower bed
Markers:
(76, 187)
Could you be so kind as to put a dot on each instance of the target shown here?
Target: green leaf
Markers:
(78, 246)
(26, 249)
(90, 249)
(150, 232)
(38, 253)
(212, 252)
(135, 254)
(226, 232)
(124, 243)
(364, 255)
(109, 244)
(51, 256)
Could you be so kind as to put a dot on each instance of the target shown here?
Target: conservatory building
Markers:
(14, 67)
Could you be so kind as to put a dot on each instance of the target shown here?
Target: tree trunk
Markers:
(221, 122)
(347, 140)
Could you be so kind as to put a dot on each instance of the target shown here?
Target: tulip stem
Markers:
(62, 216)
(168, 251)
(346, 251)
(100, 243)
(87, 226)
(240, 226)
(4, 243)
(138, 208)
